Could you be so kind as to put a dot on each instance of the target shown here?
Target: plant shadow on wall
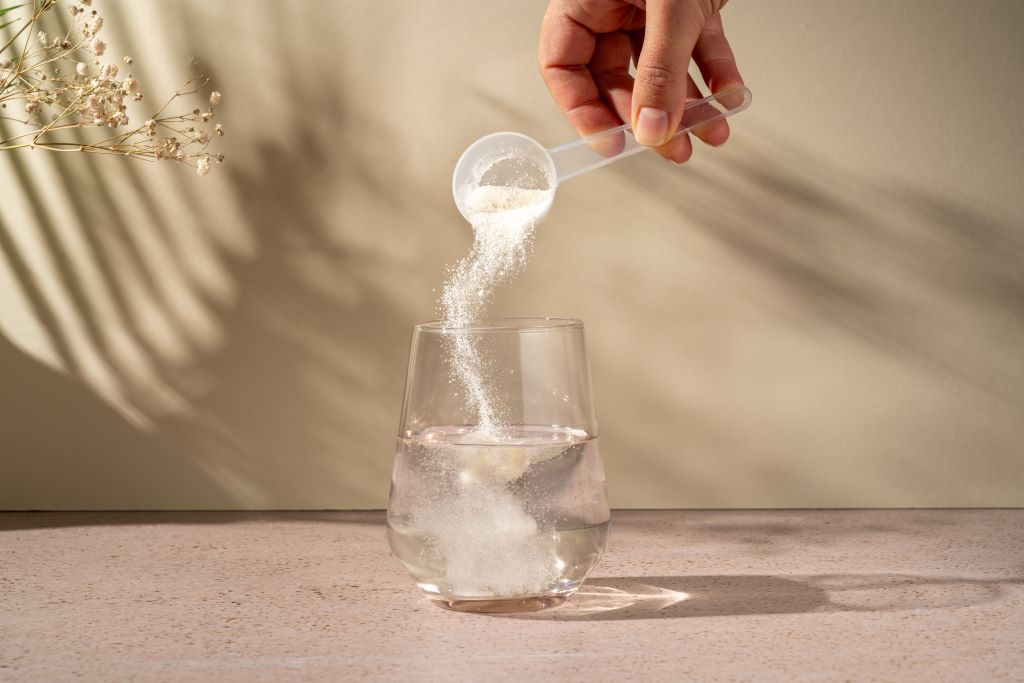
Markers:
(293, 379)
(237, 341)
(280, 386)
(928, 284)
(872, 258)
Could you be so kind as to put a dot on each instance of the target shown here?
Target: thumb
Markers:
(659, 94)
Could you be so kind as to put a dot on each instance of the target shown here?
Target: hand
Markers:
(585, 49)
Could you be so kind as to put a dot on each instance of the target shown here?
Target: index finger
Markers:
(566, 48)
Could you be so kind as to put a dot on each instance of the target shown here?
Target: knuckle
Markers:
(658, 78)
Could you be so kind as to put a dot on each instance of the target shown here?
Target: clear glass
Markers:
(506, 522)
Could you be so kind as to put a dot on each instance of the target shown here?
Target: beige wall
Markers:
(827, 312)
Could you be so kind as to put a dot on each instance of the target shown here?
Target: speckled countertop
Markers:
(920, 595)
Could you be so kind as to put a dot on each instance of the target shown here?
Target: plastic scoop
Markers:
(517, 160)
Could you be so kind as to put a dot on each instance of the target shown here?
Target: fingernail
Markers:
(651, 126)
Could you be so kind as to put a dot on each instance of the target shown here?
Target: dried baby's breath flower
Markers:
(93, 26)
(65, 98)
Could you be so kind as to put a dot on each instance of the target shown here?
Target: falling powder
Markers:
(503, 219)
(493, 547)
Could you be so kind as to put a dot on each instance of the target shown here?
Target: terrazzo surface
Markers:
(884, 595)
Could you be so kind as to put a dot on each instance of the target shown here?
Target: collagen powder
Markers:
(503, 219)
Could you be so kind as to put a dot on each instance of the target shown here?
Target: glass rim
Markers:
(508, 324)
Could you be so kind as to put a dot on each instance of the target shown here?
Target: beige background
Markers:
(829, 311)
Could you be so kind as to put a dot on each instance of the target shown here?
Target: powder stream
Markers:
(503, 219)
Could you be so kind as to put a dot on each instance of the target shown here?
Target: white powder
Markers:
(492, 545)
(503, 219)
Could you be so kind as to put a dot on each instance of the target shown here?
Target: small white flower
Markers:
(93, 26)
(97, 46)
(215, 97)
(203, 165)
(130, 85)
(42, 38)
(219, 129)
(31, 107)
(81, 68)
(128, 60)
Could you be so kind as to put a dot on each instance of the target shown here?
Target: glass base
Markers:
(501, 605)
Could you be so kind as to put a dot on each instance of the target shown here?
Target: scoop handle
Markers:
(601, 149)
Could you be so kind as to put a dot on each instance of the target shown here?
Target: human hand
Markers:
(585, 51)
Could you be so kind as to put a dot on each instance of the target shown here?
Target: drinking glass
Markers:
(507, 512)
